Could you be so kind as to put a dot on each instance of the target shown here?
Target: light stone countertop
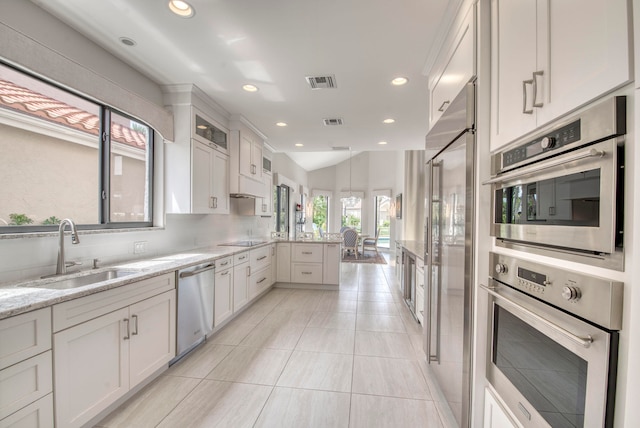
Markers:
(18, 297)
(414, 247)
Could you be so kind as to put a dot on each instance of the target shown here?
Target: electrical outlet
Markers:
(139, 247)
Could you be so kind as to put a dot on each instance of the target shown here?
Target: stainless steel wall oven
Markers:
(553, 342)
(563, 188)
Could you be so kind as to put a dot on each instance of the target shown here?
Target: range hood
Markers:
(247, 188)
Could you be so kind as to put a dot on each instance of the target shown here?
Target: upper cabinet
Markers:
(197, 162)
(453, 68)
(550, 57)
(246, 160)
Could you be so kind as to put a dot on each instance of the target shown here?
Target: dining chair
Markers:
(371, 243)
(350, 237)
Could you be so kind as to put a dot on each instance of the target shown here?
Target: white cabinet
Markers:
(241, 272)
(223, 296)
(550, 57)
(246, 161)
(26, 379)
(259, 282)
(210, 180)
(307, 253)
(283, 271)
(453, 69)
(101, 353)
(494, 414)
(274, 263)
(331, 264)
(197, 163)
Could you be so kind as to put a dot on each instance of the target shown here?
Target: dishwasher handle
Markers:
(197, 271)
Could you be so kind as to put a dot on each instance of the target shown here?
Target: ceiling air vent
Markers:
(322, 82)
(332, 122)
(340, 148)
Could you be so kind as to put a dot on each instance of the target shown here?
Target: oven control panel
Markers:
(554, 140)
(596, 299)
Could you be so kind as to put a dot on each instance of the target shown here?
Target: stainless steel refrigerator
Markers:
(449, 188)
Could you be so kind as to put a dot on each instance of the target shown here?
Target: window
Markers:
(352, 212)
(383, 219)
(63, 156)
(281, 203)
(320, 215)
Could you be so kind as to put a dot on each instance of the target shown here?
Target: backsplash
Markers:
(26, 258)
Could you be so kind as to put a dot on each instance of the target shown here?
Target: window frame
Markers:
(103, 170)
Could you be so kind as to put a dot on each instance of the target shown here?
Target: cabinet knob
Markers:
(548, 142)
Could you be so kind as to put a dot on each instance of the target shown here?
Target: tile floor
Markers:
(300, 358)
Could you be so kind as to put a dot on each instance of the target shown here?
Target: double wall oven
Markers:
(553, 343)
(562, 189)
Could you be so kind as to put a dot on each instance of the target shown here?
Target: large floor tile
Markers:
(390, 377)
(379, 344)
(297, 408)
(232, 333)
(219, 404)
(327, 340)
(199, 362)
(312, 370)
(277, 318)
(300, 299)
(337, 305)
(372, 296)
(251, 365)
(152, 404)
(387, 412)
(384, 323)
(340, 320)
(283, 337)
(381, 308)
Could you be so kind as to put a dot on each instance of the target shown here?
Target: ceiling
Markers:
(274, 45)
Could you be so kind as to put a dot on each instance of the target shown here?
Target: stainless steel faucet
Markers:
(61, 267)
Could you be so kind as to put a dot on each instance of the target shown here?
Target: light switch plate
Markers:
(139, 247)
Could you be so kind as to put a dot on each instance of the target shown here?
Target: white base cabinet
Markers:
(99, 360)
(241, 273)
(36, 415)
(283, 250)
(494, 415)
(223, 296)
(331, 264)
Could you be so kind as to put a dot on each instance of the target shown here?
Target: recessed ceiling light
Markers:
(181, 8)
(127, 41)
(281, 124)
(250, 88)
(201, 126)
(388, 120)
(299, 145)
(398, 81)
(382, 143)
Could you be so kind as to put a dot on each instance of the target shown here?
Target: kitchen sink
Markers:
(65, 282)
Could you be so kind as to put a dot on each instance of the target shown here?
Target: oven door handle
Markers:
(591, 153)
(582, 341)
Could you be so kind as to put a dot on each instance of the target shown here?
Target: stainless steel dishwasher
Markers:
(195, 306)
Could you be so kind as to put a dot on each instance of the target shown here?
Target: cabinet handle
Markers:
(210, 201)
(215, 202)
(307, 252)
(128, 336)
(262, 280)
(242, 258)
(264, 208)
(224, 273)
(135, 324)
(262, 258)
(441, 109)
(224, 264)
(248, 270)
(535, 88)
(524, 96)
(306, 273)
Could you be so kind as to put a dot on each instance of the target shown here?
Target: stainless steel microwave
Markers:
(563, 189)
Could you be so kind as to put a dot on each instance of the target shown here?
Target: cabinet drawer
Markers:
(80, 310)
(241, 258)
(309, 253)
(224, 263)
(307, 273)
(259, 281)
(260, 258)
(24, 383)
(24, 336)
(35, 415)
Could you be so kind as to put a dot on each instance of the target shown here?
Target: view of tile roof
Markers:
(22, 99)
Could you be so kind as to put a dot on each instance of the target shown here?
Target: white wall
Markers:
(369, 171)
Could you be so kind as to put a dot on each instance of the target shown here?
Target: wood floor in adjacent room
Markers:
(300, 358)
